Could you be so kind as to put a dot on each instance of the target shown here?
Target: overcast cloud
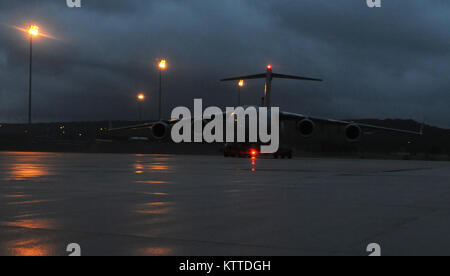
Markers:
(391, 62)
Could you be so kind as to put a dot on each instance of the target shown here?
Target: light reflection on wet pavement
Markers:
(208, 205)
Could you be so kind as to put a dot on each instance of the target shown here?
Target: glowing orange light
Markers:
(34, 30)
(23, 171)
(241, 83)
(156, 251)
(141, 97)
(253, 152)
(162, 64)
(269, 67)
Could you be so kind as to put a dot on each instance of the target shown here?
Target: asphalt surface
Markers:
(113, 204)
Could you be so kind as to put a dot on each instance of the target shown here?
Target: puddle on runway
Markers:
(151, 182)
(155, 251)
(34, 223)
(31, 247)
(26, 165)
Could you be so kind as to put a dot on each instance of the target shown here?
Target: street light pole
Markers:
(32, 31)
(239, 96)
(162, 66)
(31, 80)
(141, 98)
(140, 111)
(160, 95)
(240, 85)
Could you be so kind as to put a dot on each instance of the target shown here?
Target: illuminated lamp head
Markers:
(34, 30)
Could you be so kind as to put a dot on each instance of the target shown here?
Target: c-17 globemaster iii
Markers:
(306, 125)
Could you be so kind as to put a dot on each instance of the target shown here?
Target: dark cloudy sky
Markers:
(392, 62)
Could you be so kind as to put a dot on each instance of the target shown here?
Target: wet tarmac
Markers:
(209, 205)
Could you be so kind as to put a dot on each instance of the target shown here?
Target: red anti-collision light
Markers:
(269, 67)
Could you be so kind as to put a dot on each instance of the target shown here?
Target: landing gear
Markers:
(252, 150)
(283, 154)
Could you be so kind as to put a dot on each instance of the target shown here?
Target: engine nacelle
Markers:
(306, 127)
(160, 131)
(353, 133)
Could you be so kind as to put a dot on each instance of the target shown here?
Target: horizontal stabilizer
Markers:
(251, 77)
(274, 76)
(280, 76)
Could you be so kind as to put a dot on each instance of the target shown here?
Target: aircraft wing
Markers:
(133, 127)
(142, 126)
(294, 116)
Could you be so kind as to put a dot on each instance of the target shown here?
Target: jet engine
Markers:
(160, 131)
(306, 127)
(353, 133)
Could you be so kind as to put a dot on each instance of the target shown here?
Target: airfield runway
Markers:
(201, 205)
